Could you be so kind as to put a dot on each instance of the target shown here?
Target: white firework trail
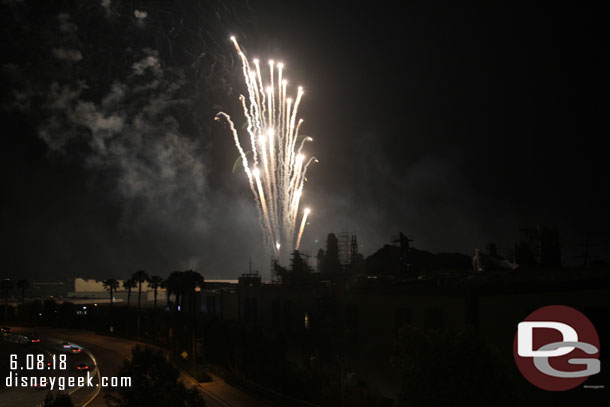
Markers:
(277, 171)
(302, 228)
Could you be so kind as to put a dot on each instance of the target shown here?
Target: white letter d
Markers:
(525, 338)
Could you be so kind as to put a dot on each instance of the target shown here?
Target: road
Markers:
(110, 352)
(48, 349)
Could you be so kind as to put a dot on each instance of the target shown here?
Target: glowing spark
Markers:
(277, 169)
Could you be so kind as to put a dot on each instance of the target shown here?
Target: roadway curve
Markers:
(110, 352)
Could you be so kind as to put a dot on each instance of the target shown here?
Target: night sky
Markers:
(457, 124)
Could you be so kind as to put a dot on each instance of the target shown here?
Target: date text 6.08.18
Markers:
(38, 362)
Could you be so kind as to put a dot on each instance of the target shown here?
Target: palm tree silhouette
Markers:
(111, 285)
(128, 285)
(23, 285)
(156, 282)
(139, 277)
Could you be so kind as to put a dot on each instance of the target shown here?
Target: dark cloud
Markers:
(132, 140)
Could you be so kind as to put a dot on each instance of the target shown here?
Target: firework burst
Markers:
(276, 168)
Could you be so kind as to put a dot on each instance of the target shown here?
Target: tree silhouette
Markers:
(111, 285)
(191, 280)
(139, 277)
(154, 383)
(174, 285)
(7, 286)
(128, 285)
(156, 282)
(23, 285)
(184, 284)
